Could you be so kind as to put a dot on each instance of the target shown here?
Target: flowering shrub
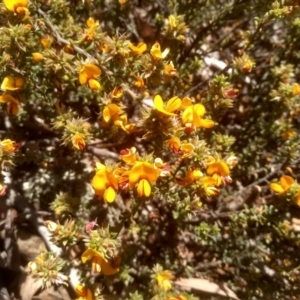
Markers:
(153, 146)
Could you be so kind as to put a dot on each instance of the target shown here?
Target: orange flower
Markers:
(46, 42)
(174, 144)
(99, 262)
(104, 183)
(83, 292)
(78, 141)
(139, 83)
(142, 174)
(12, 103)
(37, 57)
(91, 24)
(117, 92)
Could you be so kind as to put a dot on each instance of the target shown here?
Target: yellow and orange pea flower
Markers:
(184, 149)
(99, 262)
(219, 170)
(287, 134)
(295, 89)
(285, 182)
(17, 6)
(192, 117)
(156, 53)
(129, 155)
(2, 189)
(110, 114)
(11, 83)
(37, 57)
(8, 146)
(83, 293)
(170, 70)
(164, 280)
(172, 105)
(88, 75)
(139, 83)
(209, 185)
(78, 141)
(104, 183)
(92, 25)
(190, 176)
(142, 174)
(46, 42)
(172, 22)
(139, 49)
(117, 93)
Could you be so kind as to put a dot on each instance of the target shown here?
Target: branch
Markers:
(61, 40)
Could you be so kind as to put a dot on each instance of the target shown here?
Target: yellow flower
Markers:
(122, 2)
(180, 297)
(129, 156)
(139, 49)
(10, 83)
(169, 70)
(104, 183)
(12, 103)
(139, 83)
(46, 42)
(122, 123)
(285, 183)
(78, 141)
(17, 6)
(142, 174)
(92, 27)
(209, 184)
(288, 134)
(8, 146)
(186, 149)
(99, 262)
(111, 113)
(219, 171)
(117, 92)
(172, 105)
(296, 89)
(2, 189)
(156, 52)
(88, 74)
(37, 57)
(83, 292)
(172, 22)
(186, 102)
(192, 117)
(174, 144)
(164, 280)
(190, 176)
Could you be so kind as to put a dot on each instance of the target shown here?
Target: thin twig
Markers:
(61, 40)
